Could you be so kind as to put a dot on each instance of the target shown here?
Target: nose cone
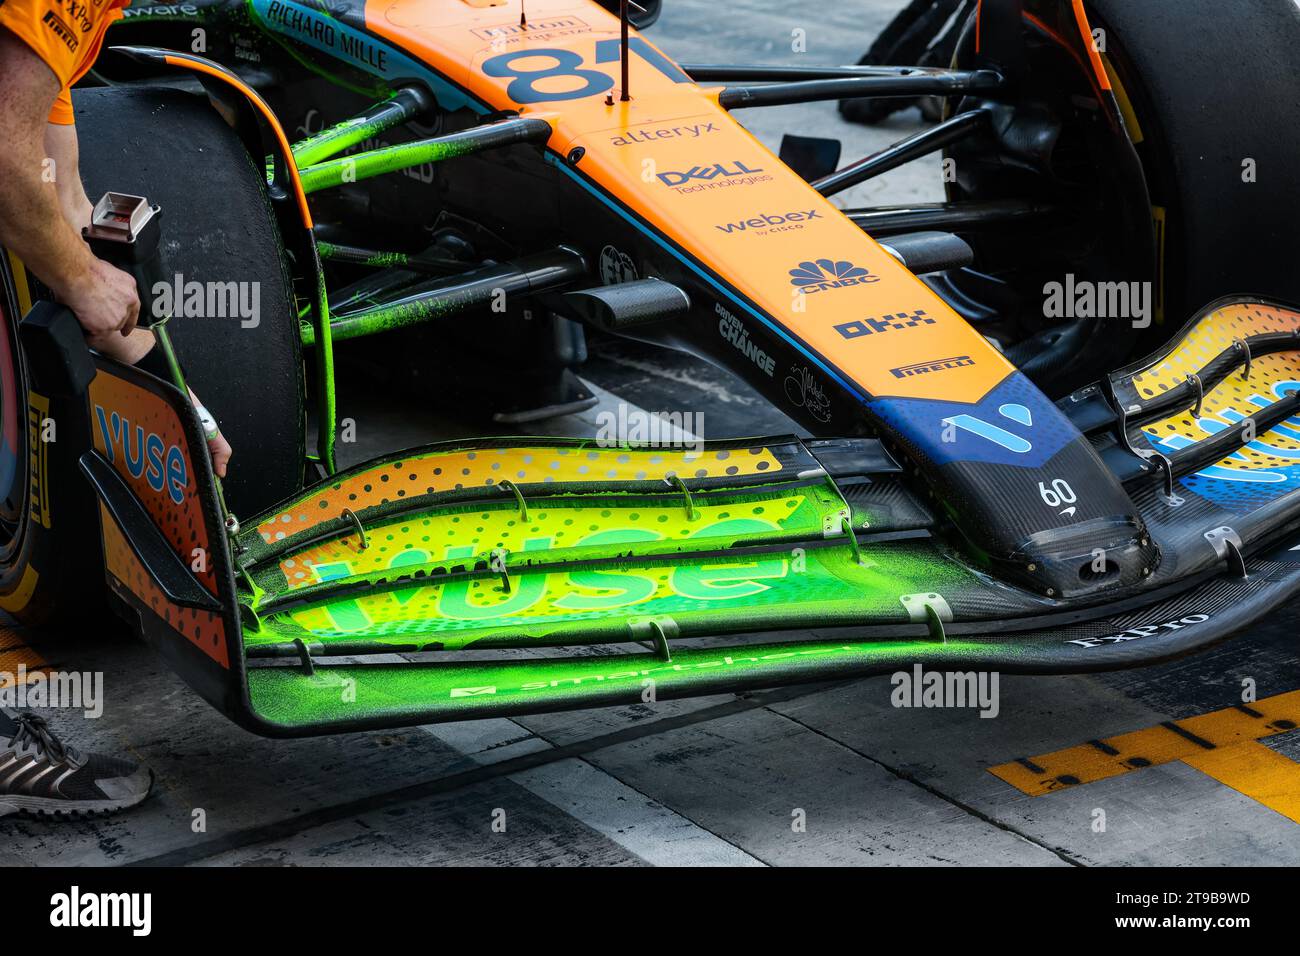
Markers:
(1091, 558)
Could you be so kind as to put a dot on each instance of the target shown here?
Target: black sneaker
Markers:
(40, 776)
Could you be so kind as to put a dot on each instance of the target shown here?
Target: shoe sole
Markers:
(51, 808)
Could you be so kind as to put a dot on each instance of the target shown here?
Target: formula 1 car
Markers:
(464, 190)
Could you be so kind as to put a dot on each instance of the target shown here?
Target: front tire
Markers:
(218, 226)
(1191, 196)
(1216, 92)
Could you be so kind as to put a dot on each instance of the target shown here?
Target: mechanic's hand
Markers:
(220, 451)
(128, 350)
(105, 301)
(218, 447)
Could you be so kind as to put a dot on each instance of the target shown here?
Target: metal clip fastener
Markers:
(248, 619)
(510, 486)
(350, 515)
(1243, 346)
(660, 642)
(1227, 545)
(846, 526)
(304, 655)
(929, 609)
(659, 630)
(680, 485)
(832, 521)
(1195, 381)
(1121, 415)
(497, 562)
(1167, 468)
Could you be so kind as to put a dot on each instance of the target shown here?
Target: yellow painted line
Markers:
(1223, 745)
(1255, 770)
(1163, 743)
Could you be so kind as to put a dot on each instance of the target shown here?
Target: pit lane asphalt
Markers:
(718, 780)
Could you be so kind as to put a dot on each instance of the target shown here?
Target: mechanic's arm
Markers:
(74, 207)
(61, 146)
(32, 220)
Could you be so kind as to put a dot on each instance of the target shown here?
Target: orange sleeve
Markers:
(65, 35)
(61, 112)
(52, 34)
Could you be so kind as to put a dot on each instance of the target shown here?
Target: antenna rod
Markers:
(623, 16)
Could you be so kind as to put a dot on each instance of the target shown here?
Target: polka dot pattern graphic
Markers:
(485, 467)
(1267, 465)
(1209, 337)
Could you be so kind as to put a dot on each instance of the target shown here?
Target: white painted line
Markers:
(641, 826)
(487, 741)
(632, 820)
